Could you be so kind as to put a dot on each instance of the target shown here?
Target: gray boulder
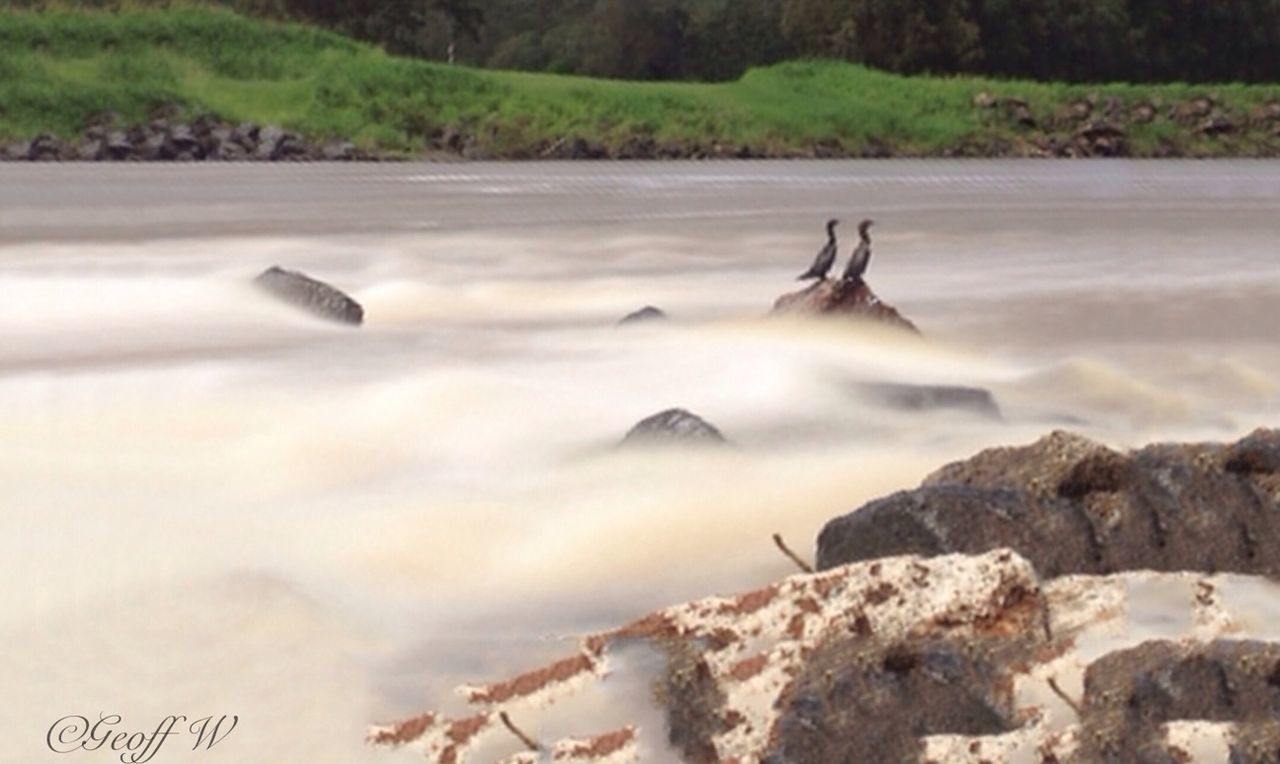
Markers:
(309, 294)
(863, 700)
(1070, 505)
(46, 148)
(246, 135)
(673, 426)
(91, 150)
(930, 397)
(16, 151)
(339, 151)
(269, 140)
(117, 146)
(645, 314)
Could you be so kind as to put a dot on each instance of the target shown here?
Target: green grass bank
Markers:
(60, 69)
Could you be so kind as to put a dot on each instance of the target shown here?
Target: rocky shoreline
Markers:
(911, 648)
(166, 138)
(1202, 126)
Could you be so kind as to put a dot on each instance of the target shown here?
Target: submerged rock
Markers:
(311, 295)
(674, 426)
(1071, 505)
(647, 313)
(931, 397)
(838, 298)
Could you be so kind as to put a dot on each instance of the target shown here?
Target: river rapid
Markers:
(215, 504)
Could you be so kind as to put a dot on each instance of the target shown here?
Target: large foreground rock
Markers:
(900, 660)
(954, 658)
(867, 700)
(1131, 695)
(1071, 505)
(838, 298)
(309, 294)
(729, 687)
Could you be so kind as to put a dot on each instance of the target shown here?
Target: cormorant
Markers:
(861, 256)
(826, 258)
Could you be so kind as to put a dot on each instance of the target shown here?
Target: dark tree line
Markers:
(1076, 40)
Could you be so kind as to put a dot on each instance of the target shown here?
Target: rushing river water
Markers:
(213, 504)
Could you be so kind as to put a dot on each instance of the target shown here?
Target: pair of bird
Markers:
(827, 257)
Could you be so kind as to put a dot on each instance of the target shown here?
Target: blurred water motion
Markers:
(217, 504)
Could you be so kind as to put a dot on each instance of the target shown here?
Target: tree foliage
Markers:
(1075, 40)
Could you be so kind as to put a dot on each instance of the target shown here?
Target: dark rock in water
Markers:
(1070, 505)
(673, 426)
(931, 397)
(314, 296)
(647, 313)
(860, 700)
(1131, 694)
(838, 298)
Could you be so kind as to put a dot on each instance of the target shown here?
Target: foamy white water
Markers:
(214, 504)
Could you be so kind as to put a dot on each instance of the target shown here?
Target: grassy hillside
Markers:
(58, 69)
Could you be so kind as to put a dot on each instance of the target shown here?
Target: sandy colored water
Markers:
(216, 505)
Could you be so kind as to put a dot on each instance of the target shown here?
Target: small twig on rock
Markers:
(806, 567)
(1053, 685)
(529, 742)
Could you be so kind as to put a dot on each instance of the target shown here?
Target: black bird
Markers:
(861, 256)
(826, 258)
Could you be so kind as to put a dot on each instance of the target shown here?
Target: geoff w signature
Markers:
(75, 733)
